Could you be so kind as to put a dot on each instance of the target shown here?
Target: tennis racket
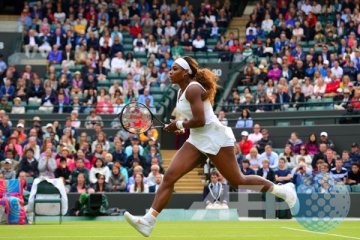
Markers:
(137, 118)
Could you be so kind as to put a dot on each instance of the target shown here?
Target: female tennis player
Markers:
(208, 139)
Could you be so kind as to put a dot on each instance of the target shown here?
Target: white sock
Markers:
(278, 191)
(149, 217)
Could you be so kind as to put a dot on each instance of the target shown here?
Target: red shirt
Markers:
(245, 146)
(355, 103)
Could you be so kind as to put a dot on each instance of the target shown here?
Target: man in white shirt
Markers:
(306, 7)
(316, 7)
(256, 135)
(337, 70)
(117, 63)
(45, 39)
(199, 44)
(30, 43)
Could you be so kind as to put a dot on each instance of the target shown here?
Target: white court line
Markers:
(321, 233)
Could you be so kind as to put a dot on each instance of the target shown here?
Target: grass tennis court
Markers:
(284, 229)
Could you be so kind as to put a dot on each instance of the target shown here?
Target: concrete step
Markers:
(189, 189)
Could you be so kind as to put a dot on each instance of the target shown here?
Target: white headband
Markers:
(184, 64)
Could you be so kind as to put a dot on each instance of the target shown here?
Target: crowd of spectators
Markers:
(299, 52)
(303, 162)
(83, 162)
(90, 44)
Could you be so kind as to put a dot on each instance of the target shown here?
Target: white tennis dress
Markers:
(213, 135)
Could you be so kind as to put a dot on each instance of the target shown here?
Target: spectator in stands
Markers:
(298, 98)
(4, 105)
(35, 91)
(139, 186)
(61, 106)
(254, 159)
(44, 42)
(264, 141)
(245, 120)
(146, 95)
(55, 55)
(117, 180)
(266, 171)
(199, 44)
(101, 185)
(151, 179)
(80, 186)
(18, 107)
(245, 168)
(355, 152)
(158, 180)
(282, 174)
(31, 43)
(117, 63)
(289, 156)
(29, 164)
(105, 106)
(93, 119)
(312, 145)
(245, 144)
(47, 164)
(7, 90)
(101, 139)
(295, 142)
(302, 178)
(339, 173)
(99, 167)
(118, 154)
(80, 169)
(325, 139)
(270, 155)
(256, 135)
(330, 159)
(7, 170)
(222, 118)
(135, 155)
(354, 175)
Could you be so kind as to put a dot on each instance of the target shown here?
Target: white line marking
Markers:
(321, 233)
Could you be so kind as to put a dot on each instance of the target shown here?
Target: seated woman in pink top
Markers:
(105, 106)
(70, 162)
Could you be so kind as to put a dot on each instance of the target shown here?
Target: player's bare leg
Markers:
(186, 159)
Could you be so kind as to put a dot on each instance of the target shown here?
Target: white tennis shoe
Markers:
(140, 224)
(287, 192)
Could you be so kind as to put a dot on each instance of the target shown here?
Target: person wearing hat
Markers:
(341, 100)
(15, 146)
(324, 138)
(7, 169)
(20, 129)
(355, 152)
(65, 152)
(134, 140)
(265, 171)
(245, 144)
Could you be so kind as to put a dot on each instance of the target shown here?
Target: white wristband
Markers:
(179, 125)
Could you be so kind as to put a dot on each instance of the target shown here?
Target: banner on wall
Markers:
(220, 69)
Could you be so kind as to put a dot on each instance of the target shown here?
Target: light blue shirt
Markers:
(273, 158)
(244, 123)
